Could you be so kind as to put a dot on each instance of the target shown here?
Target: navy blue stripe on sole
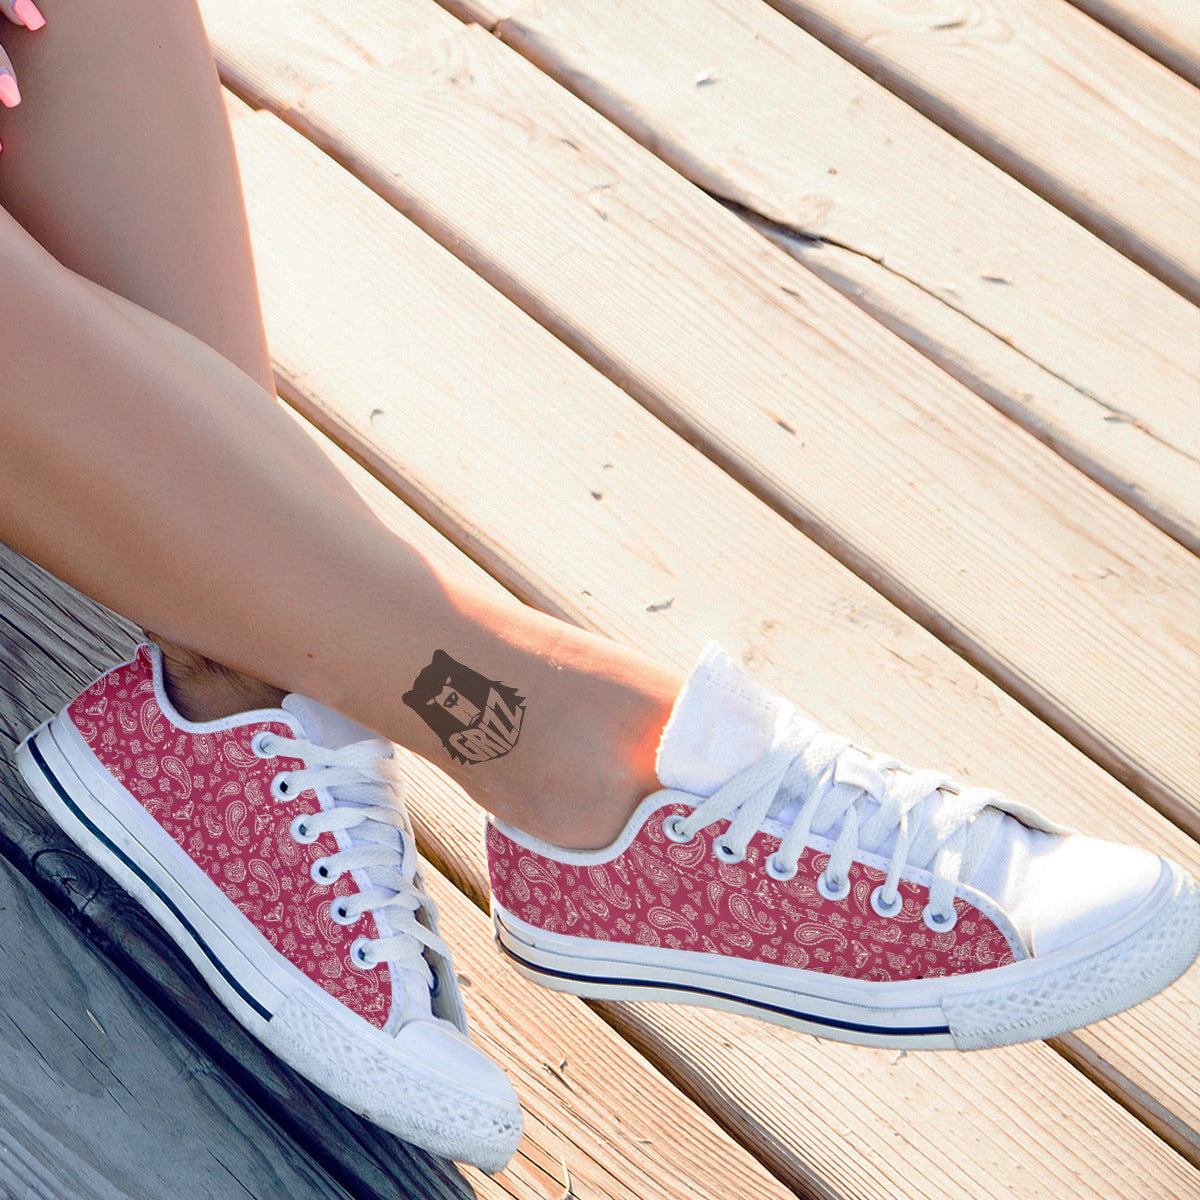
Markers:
(167, 902)
(913, 1031)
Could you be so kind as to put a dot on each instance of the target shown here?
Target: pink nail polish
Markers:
(10, 94)
(28, 15)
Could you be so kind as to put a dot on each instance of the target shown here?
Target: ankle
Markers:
(203, 690)
(597, 769)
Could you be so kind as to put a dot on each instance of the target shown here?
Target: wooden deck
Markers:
(858, 334)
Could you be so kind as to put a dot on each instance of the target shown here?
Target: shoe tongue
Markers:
(322, 725)
(721, 723)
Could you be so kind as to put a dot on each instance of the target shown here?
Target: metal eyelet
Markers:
(320, 872)
(779, 870)
(338, 913)
(258, 745)
(281, 789)
(671, 826)
(726, 853)
(360, 954)
(882, 907)
(300, 830)
(833, 889)
(939, 922)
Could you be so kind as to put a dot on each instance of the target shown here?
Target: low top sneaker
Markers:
(274, 847)
(784, 873)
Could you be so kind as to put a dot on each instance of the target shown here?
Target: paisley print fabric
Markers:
(678, 895)
(213, 796)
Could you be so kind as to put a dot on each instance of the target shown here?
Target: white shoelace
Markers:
(379, 844)
(815, 782)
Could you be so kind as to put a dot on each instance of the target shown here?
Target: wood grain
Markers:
(1059, 102)
(934, 498)
(1169, 30)
(596, 1112)
(999, 288)
(450, 394)
(294, 46)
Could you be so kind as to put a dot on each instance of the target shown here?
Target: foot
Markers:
(273, 846)
(202, 690)
(784, 873)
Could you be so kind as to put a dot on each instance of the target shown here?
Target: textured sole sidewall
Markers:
(406, 1096)
(1029, 1000)
(1132, 970)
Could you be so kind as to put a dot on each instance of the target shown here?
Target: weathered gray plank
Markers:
(52, 643)
(101, 1098)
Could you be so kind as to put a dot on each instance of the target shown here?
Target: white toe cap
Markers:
(480, 1115)
(442, 1050)
(1079, 886)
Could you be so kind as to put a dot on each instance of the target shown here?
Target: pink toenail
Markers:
(28, 15)
(10, 94)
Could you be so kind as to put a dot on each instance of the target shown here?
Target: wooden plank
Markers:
(1169, 30)
(1010, 555)
(298, 46)
(999, 288)
(600, 1121)
(1059, 102)
(453, 397)
(101, 1098)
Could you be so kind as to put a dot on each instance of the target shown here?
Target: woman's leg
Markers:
(120, 162)
(144, 467)
(122, 165)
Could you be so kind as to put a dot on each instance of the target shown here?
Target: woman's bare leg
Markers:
(123, 167)
(120, 162)
(152, 472)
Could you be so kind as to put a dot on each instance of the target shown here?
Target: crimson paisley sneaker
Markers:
(274, 848)
(784, 873)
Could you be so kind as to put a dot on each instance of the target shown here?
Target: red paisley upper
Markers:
(212, 795)
(664, 893)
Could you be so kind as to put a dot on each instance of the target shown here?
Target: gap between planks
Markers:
(1056, 100)
(1168, 30)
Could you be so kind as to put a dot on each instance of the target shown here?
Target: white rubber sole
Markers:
(409, 1083)
(1033, 999)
